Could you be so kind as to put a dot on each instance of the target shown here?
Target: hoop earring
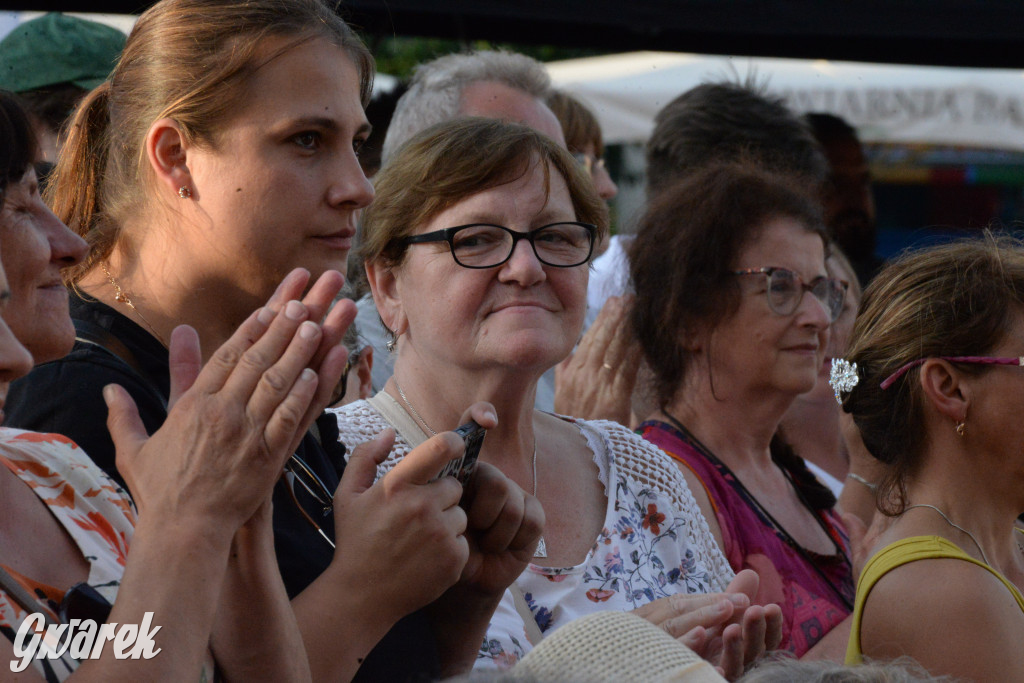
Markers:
(184, 192)
(391, 342)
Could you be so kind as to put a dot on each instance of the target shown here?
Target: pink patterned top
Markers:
(814, 591)
(96, 512)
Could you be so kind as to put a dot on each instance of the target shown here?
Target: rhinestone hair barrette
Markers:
(843, 378)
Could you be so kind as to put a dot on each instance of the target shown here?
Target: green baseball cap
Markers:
(54, 49)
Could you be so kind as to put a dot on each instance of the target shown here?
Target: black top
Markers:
(65, 397)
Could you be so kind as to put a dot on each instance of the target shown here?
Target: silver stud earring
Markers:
(184, 192)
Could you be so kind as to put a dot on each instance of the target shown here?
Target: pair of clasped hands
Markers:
(253, 401)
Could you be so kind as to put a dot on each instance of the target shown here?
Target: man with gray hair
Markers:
(494, 84)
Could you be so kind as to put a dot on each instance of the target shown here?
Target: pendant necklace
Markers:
(122, 296)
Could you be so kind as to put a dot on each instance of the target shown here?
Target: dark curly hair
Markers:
(688, 242)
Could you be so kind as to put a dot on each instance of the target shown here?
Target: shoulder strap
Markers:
(533, 632)
(90, 333)
(393, 412)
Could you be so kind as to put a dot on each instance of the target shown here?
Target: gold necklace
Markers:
(121, 296)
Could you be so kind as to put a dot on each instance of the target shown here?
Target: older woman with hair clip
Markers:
(220, 156)
(932, 382)
(201, 564)
(733, 307)
(476, 252)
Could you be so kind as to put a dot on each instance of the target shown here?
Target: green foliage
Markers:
(397, 55)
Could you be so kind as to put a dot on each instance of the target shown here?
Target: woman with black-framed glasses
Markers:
(477, 252)
(733, 308)
(203, 198)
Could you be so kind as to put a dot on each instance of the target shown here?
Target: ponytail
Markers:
(75, 188)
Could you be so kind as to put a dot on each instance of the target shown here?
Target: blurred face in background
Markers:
(848, 200)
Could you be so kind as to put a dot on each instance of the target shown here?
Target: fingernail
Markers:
(108, 393)
(738, 598)
(308, 330)
(721, 607)
(265, 315)
(490, 415)
(295, 310)
(307, 375)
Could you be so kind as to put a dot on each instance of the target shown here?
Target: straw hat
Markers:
(611, 647)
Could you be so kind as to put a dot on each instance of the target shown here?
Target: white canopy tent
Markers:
(886, 103)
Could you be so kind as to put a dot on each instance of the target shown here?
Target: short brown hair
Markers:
(723, 122)
(188, 60)
(579, 125)
(957, 299)
(452, 161)
(686, 245)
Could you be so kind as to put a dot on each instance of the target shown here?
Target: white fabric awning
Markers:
(886, 103)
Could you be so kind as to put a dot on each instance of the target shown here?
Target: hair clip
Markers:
(843, 378)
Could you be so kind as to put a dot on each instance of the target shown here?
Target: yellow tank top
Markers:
(896, 555)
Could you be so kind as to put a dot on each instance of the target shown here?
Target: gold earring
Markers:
(961, 428)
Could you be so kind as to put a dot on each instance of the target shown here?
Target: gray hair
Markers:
(435, 92)
(779, 668)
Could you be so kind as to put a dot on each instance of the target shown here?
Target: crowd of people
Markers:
(707, 449)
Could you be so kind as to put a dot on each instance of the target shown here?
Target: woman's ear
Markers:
(944, 390)
(384, 286)
(166, 150)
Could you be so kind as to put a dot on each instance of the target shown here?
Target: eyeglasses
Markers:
(974, 360)
(786, 289)
(481, 245)
(315, 486)
(588, 162)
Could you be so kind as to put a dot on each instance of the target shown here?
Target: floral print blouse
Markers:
(97, 514)
(654, 542)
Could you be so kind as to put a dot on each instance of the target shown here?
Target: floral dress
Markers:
(97, 514)
(654, 542)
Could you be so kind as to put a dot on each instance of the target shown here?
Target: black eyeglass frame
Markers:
(448, 235)
(804, 286)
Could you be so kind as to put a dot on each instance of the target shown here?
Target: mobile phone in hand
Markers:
(462, 467)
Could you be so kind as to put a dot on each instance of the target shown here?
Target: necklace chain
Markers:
(542, 547)
(411, 409)
(952, 524)
(121, 296)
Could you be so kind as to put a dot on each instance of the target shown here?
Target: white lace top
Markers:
(654, 543)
